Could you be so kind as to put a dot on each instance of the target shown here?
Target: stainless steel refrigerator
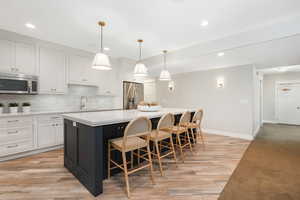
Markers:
(133, 94)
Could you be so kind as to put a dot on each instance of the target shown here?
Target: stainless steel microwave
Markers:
(18, 84)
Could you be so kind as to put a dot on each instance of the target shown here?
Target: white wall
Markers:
(228, 110)
(269, 92)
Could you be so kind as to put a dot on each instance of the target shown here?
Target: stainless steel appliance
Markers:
(133, 94)
(18, 84)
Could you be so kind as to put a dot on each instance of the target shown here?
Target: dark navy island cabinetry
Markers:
(85, 144)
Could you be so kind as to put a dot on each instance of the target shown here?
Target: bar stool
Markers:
(137, 128)
(181, 132)
(159, 137)
(196, 125)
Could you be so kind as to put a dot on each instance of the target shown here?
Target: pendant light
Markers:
(101, 60)
(165, 74)
(140, 70)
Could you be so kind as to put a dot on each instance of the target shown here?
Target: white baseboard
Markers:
(29, 153)
(230, 134)
(256, 131)
(270, 121)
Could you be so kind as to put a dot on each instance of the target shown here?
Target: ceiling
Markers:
(168, 24)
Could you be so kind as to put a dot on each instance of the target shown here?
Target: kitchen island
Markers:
(86, 137)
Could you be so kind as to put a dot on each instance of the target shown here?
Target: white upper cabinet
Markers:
(52, 71)
(80, 71)
(25, 58)
(108, 82)
(17, 57)
(7, 56)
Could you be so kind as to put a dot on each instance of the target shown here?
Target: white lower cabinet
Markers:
(23, 134)
(16, 135)
(49, 131)
(46, 135)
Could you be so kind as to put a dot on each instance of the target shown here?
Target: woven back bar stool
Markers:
(196, 125)
(181, 133)
(162, 139)
(136, 136)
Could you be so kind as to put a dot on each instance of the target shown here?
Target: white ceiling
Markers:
(163, 24)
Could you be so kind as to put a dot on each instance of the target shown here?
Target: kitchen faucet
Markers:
(83, 102)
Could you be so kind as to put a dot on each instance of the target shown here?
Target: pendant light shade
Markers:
(165, 74)
(140, 70)
(101, 60)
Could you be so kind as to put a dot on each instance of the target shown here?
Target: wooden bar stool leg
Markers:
(193, 136)
(202, 137)
(108, 160)
(158, 157)
(173, 149)
(126, 173)
(180, 148)
(150, 163)
(189, 141)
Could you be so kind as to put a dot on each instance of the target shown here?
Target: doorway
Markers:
(287, 101)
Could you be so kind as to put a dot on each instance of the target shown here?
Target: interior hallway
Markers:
(270, 168)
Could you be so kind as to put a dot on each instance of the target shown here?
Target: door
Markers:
(7, 56)
(288, 103)
(60, 133)
(46, 135)
(52, 71)
(80, 70)
(25, 58)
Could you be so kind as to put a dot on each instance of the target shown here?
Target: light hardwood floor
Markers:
(202, 176)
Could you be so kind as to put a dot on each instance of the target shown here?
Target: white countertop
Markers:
(49, 112)
(117, 116)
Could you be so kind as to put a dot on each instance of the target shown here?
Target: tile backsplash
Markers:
(69, 101)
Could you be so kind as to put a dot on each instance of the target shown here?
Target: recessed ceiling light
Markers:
(221, 54)
(204, 23)
(106, 48)
(29, 25)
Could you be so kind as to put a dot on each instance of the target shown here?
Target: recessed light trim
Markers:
(204, 23)
(29, 25)
(220, 54)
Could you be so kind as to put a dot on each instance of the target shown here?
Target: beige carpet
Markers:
(270, 168)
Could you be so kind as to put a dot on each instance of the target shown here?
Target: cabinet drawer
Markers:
(16, 122)
(15, 134)
(16, 147)
(50, 119)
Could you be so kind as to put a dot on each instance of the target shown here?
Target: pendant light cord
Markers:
(101, 39)
(165, 60)
(140, 44)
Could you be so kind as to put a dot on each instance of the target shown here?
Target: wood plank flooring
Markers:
(202, 176)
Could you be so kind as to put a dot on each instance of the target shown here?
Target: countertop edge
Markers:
(109, 122)
(22, 114)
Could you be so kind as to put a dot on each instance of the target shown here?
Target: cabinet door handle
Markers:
(10, 121)
(12, 146)
(54, 117)
(12, 132)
